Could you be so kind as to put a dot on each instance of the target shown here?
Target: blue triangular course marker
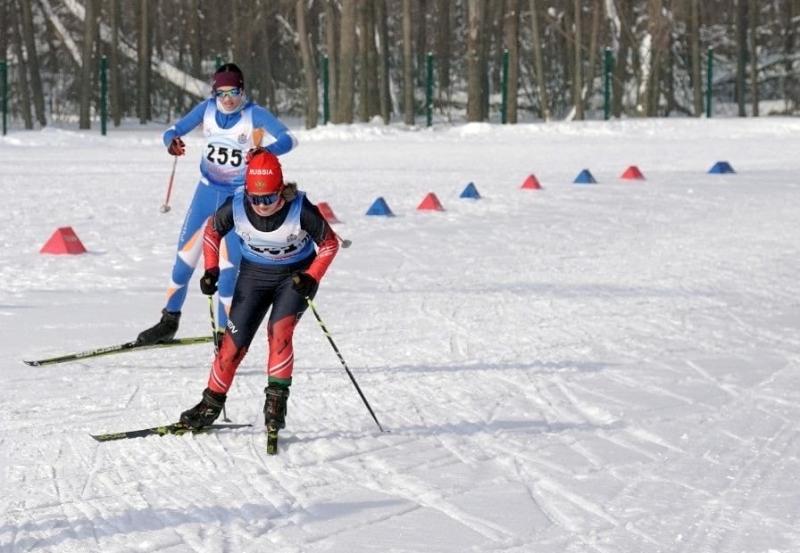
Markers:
(470, 192)
(380, 207)
(721, 167)
(585, 177)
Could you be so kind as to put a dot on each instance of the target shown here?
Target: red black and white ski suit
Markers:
(294, 239)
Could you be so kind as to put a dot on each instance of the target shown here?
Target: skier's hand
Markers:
(208, 282)
(176, 147)
(304, 284)
(252, 152)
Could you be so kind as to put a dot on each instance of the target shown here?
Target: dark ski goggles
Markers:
(267, 199)
(233, 93)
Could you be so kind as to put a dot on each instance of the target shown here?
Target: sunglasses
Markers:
(232, 93)
(267, 199)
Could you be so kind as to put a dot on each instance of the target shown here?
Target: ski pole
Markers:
(165, 206)
(333, 345)
(215, 336)
(345, 242)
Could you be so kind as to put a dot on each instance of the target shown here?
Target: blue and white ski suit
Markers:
(222, 169)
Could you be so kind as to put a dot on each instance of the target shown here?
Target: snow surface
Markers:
(585, 368)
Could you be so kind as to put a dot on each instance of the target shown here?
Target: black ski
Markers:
(120, 348)
(176, 429)
(272, 439)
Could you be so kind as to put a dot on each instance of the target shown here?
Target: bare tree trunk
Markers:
(408, 66)
(332, 49)
(22, 69)
(144, 51)
(577, 83)
(494, 41)
(33, 61)
(421, 40)
(476, 10)
(5, 30)
(347, 52)
(443, 50)
(621, 67)
(511, 24)
(116, 78)
(754, 55)
(196, 38)
(87, 64)
(594, 37)
(364, 39)
(694, 39)
(659, 39)
(741, 49)
(487, 33)
(309, 67)
(538, 62)
(385, 97)
(790, 83)
(371, 69)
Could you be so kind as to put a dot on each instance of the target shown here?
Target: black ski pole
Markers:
(333, 345)
(215, 336)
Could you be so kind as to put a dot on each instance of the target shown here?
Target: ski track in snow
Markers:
(609, 368)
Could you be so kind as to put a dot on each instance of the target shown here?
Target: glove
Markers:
(304, 284)
(176, 147)
(252, 152)
(208, 282)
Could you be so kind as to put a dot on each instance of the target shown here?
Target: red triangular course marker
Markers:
(431, 202)
(63, 240)
(632, 173)
(531, 183)
(327, 212)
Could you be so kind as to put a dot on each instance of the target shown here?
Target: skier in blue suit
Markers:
(232, 126)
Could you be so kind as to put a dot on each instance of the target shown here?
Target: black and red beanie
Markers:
(228, 74)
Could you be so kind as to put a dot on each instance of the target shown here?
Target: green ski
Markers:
(120, 348)
(176, 429)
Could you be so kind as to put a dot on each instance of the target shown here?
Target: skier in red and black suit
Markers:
(286, 248)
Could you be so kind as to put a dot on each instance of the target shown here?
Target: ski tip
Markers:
(31, 363)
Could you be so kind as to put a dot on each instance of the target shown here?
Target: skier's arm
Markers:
(283, 140)
(218, 226)
(312, 221)
(185, 125)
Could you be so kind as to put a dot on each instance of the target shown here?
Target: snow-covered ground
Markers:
(606, 368)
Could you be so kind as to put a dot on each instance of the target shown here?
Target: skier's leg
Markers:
(189, 248)
(251, 301)
(229, 258)
(286, 312)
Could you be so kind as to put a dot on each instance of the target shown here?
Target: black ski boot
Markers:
(163, 331)
(275, 406)
(205, 412)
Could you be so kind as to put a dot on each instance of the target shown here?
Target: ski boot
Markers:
(163, 331)
(205, 412)
(274, 414)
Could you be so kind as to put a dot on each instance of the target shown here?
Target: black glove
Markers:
(252, 152)
(208, 282)
(304, 284)
(176, 147)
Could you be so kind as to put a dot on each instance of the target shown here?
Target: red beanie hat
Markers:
(228, 75)
(264, 174)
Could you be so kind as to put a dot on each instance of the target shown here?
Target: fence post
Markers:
(608, 67)
(504, 89)
(326, 98)
(103, 94)
(4, 93)
(429, 89)
(709, 80)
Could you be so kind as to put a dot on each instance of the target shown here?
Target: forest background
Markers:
(375, 54)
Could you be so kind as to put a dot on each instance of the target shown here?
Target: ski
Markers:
(272, 439)
(120, 348)
(176, 429)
